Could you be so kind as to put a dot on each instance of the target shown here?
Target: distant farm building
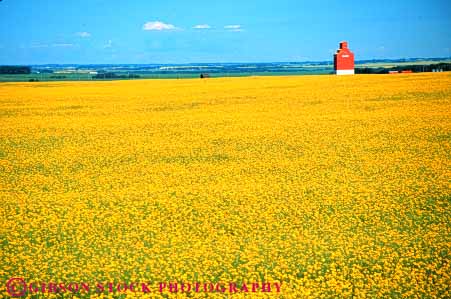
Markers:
(344, 60)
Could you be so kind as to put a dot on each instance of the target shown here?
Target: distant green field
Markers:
(45, 77)
(88, 77)
(394, 64)
(220, 70)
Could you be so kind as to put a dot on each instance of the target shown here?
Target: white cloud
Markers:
(109, 44)
(63, 45)
(83, 34)
(234, 28)
(158, 26)
(202, 26)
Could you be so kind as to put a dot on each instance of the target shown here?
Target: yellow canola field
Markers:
(334, 187)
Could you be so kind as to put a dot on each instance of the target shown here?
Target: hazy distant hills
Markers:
(56, 72)
(233, 64)
(313, 67)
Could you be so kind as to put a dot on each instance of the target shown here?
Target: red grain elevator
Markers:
(344, 60)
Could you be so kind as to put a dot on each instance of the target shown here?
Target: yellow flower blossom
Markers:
(334, 187)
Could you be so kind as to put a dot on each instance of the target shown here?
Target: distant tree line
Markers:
(114, 76)
(13, 70)
(416, 68)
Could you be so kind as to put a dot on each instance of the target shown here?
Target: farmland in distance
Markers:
(335, 187)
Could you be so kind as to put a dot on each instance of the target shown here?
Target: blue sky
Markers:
(176, 31)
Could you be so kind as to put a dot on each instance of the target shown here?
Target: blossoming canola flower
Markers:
(331, 187)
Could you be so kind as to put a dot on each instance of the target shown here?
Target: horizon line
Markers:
(236, 62)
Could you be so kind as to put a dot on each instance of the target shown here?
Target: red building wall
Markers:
(343, 58)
